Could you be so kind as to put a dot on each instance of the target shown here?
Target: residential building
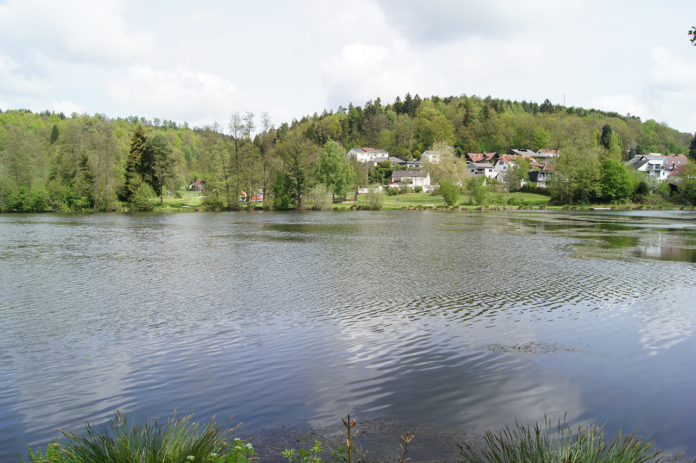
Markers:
(414, 178)
(542, 153)
(477, 169)
(482, 157)
(658, 166)
(505, 161)
(431, 156)
(540, 177)
(380, 159)
(365, 154)
(521, 152)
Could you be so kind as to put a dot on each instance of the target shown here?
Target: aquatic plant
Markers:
(541, 443)
(404, 447)
(120, 440)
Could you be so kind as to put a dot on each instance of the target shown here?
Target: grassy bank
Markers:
(122, 440)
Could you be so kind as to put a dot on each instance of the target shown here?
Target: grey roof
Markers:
(638, 165)
(409, 173)
(384, 158)
(482, 165)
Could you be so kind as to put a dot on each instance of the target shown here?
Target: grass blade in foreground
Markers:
(545, 444)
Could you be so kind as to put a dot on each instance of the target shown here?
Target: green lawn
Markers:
(189, 198)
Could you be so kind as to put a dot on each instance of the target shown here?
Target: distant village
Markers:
(494, 165)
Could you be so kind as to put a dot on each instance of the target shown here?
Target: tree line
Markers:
(80, 162)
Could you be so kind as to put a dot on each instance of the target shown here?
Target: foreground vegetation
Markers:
(53, 162)
(122, 440)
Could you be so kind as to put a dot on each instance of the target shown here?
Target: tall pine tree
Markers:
(134, 163)
(692, 148)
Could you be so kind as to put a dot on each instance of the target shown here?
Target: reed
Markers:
(120, 440)
(544, 444)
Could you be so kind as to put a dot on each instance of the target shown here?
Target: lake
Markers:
(449, 320)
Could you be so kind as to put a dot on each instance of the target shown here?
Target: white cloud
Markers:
(14, 82)
(438, 21)
(182, 94)
(363, 72)
(671, 88)
(71, 30)
(624, 103)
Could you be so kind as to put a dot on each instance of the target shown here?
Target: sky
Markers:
(201, 61)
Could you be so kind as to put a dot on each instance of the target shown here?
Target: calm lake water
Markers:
(449, 320)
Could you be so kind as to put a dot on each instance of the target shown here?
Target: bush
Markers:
(144, 199)
(392, 191)
(450, 192)
(406, 189)
(536, 190)
(122, 441)
(321, 197)
(418, 189)
(478, 190)
(550, 442)
(374, 197)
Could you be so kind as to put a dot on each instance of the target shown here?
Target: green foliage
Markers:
(320, 197)
(282, 192)
(158, 163)
(121, 440)
(692, 148)
(334, 170)
(418, 189)
(374, 197)
(477, 191)
(606, 136)
(52, 455)
(450, 192)
(549, 443)
(144, 199)
(692, 33)
(134, 163)
(304, 456)
(54, 134)
(617, 183)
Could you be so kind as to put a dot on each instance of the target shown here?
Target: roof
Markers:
(390, 158)
(481, 157)
(197, 182)
(365, 149)
(677, 171)
(511, 157)
(523, 152)
(409, 173)
(547, 151)
(482, 165)
(637, 165)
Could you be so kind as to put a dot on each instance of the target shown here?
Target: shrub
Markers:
(392, 191)
(321, 197)
(450, 192)
(374, 197)
(545, 443)
(418, 189)
(144, 199)
(406, 189)
(122, 441)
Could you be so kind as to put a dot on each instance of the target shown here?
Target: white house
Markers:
(431, 156)
(546, 154)
(380, 159)
(366, 154)
(505, 161)
(413, 178)
(657, 165)
(477, 169)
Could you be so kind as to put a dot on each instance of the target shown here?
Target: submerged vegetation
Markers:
(121, 440)
(53, 162)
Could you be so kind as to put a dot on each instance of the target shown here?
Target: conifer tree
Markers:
(692, 148)
(54, 134)
(606, 136)
(134, 163)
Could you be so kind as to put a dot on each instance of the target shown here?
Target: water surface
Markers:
(450, 320)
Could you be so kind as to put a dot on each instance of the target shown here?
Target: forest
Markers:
(54, 162)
